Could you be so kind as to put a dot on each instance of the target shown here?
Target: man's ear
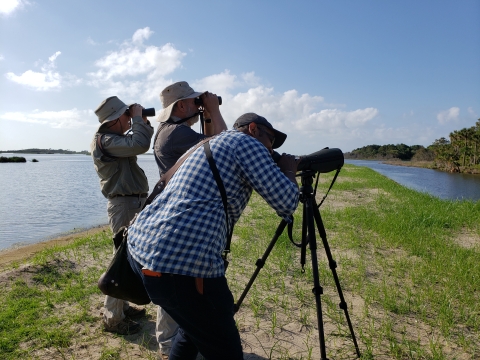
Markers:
(179, 108)
(252, 128)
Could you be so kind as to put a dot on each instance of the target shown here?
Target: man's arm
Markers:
(129, 145)
(266, 178)
(212, 111)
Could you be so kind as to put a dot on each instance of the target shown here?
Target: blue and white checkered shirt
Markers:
(183, 231)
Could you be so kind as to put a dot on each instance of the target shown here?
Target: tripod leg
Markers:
(317, 289)
(261, 262)
(333, 265)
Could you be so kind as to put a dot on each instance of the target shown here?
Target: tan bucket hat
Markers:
(110, 109)
(173, 93)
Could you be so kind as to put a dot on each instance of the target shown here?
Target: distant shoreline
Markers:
(44, 151)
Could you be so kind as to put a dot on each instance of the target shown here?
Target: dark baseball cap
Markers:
(248, 118)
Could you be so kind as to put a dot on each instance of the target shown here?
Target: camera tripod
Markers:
(311, 217)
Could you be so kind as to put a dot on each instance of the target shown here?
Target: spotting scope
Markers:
(322, 161)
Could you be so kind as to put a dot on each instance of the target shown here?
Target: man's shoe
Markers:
(134, 313)
(124, 327)
(162, 356)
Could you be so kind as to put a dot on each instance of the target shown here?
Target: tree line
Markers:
(459, 153)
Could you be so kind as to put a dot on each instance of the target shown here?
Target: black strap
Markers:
(221, 187)
(333, 181)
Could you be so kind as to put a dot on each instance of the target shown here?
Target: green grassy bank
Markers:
(407, 263)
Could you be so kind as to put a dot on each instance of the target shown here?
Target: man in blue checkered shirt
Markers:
(176, 242)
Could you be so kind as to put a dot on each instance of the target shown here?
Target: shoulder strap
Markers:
(162, 183)
(221, 187)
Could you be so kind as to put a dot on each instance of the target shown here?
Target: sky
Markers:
(339, 74)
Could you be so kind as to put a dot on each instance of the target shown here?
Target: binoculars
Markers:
(145, 112)
(199, 101)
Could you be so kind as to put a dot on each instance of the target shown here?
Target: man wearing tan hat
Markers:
(173, 138)
(123, 183)
(174, 134)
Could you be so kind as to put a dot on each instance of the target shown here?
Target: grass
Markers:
(407, 263)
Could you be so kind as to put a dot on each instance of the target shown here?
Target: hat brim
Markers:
(280, 138)
(165, 114)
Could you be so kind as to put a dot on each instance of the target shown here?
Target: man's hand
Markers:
(211, 107)
(211, 111)
(136, 110)
(288, 165)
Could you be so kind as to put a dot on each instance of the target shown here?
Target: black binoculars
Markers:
(199, 101)
(145, 112)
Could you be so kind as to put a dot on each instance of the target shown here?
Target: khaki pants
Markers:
(121, 211)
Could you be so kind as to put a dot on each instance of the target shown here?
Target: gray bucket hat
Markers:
(110, 109)
(173, 93)
(248, 118)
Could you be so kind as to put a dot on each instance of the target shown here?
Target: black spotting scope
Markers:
(322, 161)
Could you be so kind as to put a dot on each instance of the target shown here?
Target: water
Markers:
(437, 183)
(53, 196)
(61, 193)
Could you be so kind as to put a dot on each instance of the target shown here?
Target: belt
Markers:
(144, 195)
(198, 281)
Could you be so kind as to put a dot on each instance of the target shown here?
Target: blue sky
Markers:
(341, 74)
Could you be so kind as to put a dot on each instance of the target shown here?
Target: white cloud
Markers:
(329, 119)
(1, 57)
(135, 70)
(446, 116)
(219, 84)
(37, 80)
(64, 119)
(45, 79)
(9, 6)
(140, 35)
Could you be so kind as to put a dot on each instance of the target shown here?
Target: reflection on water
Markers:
(56, 195)
(437, 183)
(61, 193)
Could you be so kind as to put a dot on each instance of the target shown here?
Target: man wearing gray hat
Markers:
(173, 138)
(176, 243)
(123, 183)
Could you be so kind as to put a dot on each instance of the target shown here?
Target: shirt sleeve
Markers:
(260, 171)
(136, 143)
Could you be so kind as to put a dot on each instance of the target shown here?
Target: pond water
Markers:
(437, 183)
(61, 193)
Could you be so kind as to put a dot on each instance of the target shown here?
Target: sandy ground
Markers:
(91, 341)
(260, 340)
